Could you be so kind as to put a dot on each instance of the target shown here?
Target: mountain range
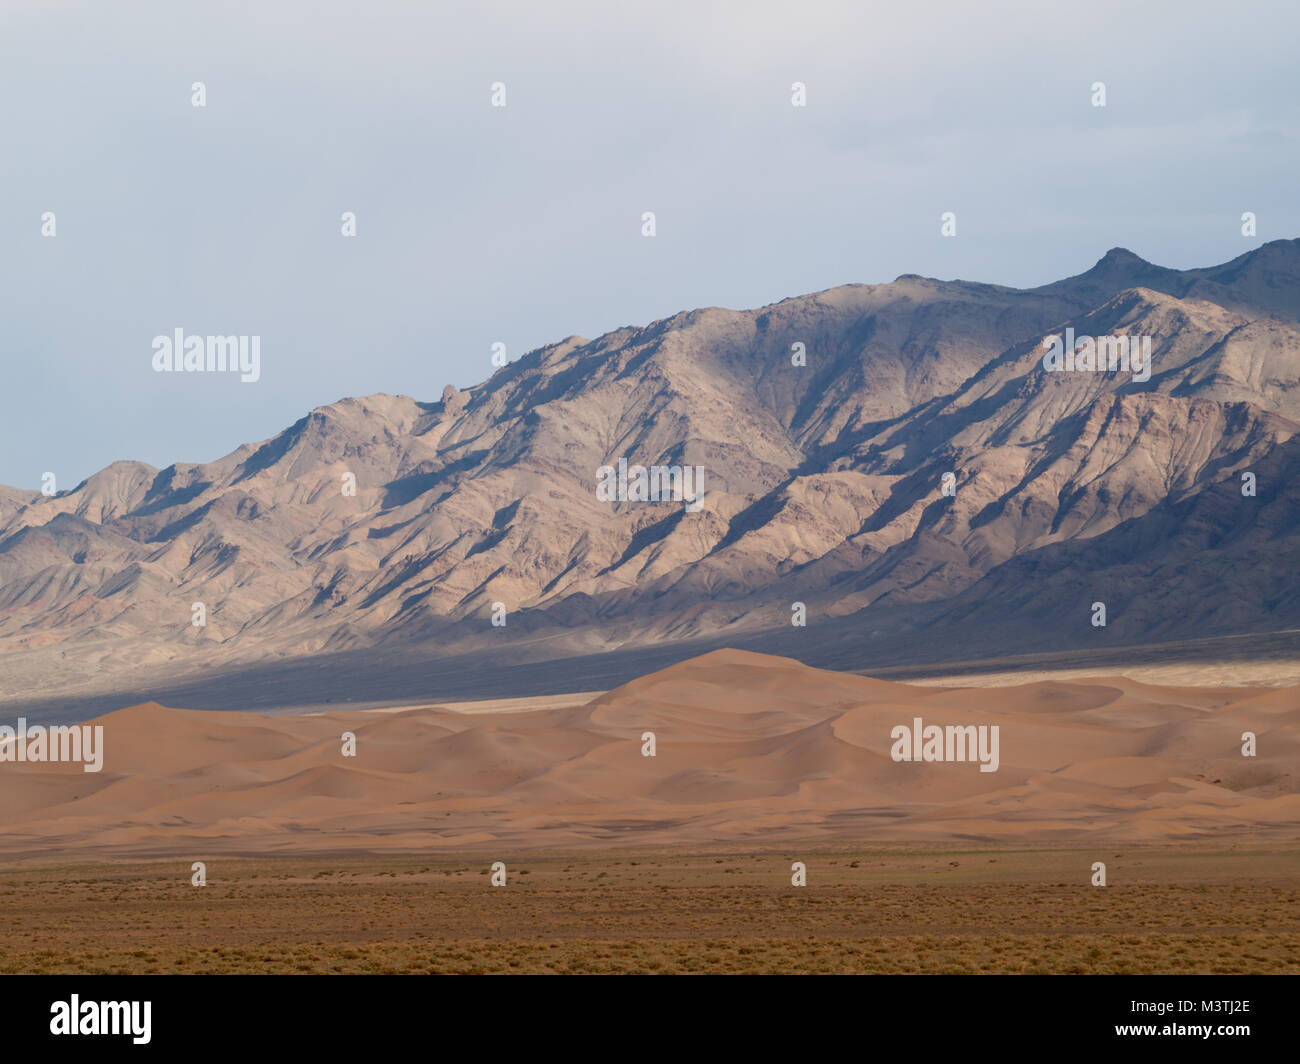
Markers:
(1169, 500)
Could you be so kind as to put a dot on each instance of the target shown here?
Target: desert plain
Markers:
(363, 841)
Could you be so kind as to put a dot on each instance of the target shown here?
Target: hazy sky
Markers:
(522, 224)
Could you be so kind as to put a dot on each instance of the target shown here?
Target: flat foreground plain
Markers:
(1231, 909)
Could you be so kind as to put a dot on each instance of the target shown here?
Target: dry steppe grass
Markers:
(940, 911)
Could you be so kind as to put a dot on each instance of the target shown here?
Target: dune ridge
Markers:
(751, 749)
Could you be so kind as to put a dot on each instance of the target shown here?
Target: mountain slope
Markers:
(823, 486)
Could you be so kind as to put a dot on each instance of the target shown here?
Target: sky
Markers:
(522, 224)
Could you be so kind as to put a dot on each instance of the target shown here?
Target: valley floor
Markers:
(1205, 909)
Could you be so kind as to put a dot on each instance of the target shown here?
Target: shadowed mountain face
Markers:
(823, 485)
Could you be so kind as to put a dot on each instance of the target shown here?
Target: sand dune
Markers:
(750, 748)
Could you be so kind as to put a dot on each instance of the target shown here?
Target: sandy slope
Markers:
(750, 748)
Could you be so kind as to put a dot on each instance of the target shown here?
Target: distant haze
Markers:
(522, 224)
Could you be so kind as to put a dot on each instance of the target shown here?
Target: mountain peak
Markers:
(1118, 258)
